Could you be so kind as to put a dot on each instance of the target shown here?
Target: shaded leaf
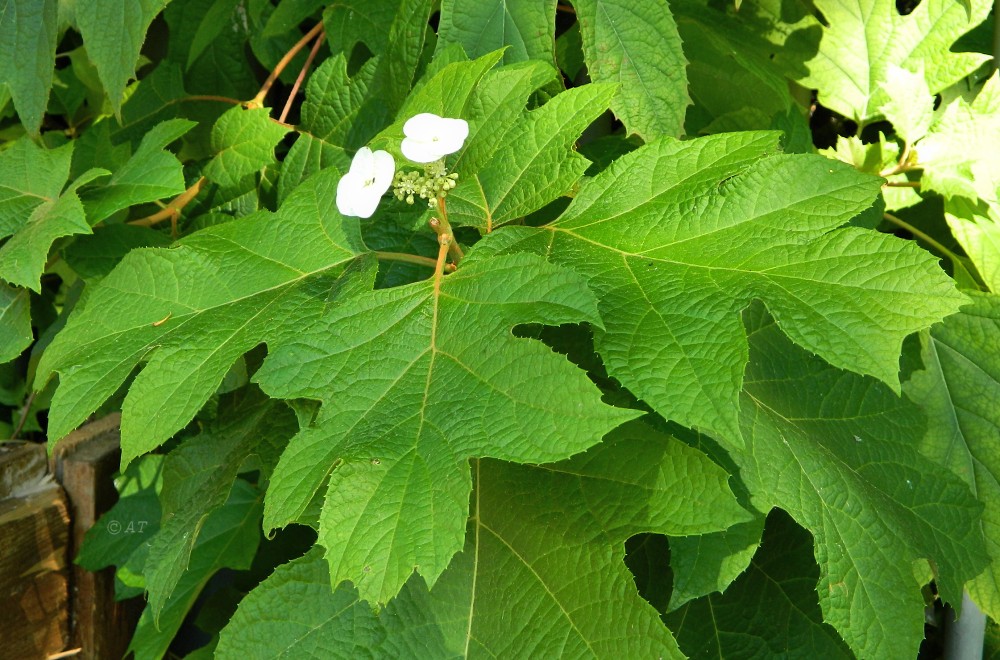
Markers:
(150, 174)
(198, 476)
(114, 31)
(770, 611)
(28, 33)
(15, 322)
(635, 44)
(229, 539)
(836, 451)
(271, 620)
(959, 389)
(526, 28)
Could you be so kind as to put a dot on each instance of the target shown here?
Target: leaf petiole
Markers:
(258, 100)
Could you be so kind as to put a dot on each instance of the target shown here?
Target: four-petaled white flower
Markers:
(429, 137)
(360, 190)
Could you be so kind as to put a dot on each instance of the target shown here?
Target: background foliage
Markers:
(716, 376)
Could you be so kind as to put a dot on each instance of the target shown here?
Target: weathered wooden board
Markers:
(34, 556)
(85, 462)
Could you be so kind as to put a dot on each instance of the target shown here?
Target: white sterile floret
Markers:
(360, 190)
(429, 137)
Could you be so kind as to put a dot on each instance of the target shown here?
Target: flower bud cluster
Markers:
(432, 185)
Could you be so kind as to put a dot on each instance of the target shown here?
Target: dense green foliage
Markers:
(700, 356)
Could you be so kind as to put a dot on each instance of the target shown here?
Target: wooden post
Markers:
(84, 462)
(34, 555)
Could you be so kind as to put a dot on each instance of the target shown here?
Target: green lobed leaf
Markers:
(28, 34)
(272, 621)
(150, 174)
(395, 31)
(836, 451)
(221, 292)
(243, 140)
(865, 37)
(35, 209)
(351, 22)
(389, 439)
(677, 237)
(770, 611)
(533, 165)
(114, 31)
(15, 322)
(959, 389)
(569, 51)
(958, 156)
(526, 28)
(549, 538)
(153, 101)
(635, 44)
(909, 104)
(223, 68)
(198, 476)
(93, 256)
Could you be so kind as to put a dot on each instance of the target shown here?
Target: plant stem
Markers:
(411, 259)
(442, 227)
(208, 97)
(172, 210)
(444, 244)
(565, 8)
(258, 101)
(903, 184)
(302, 75)
(899, 222)
(24, 415)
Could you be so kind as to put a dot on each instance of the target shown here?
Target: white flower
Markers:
(429, 137)
(360, 190)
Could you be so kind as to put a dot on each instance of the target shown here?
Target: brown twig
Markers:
(302, 75)
(172, 210)
(24, 415)
(207, 97)
(565, 8)
(903, 184)
(258, 101)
